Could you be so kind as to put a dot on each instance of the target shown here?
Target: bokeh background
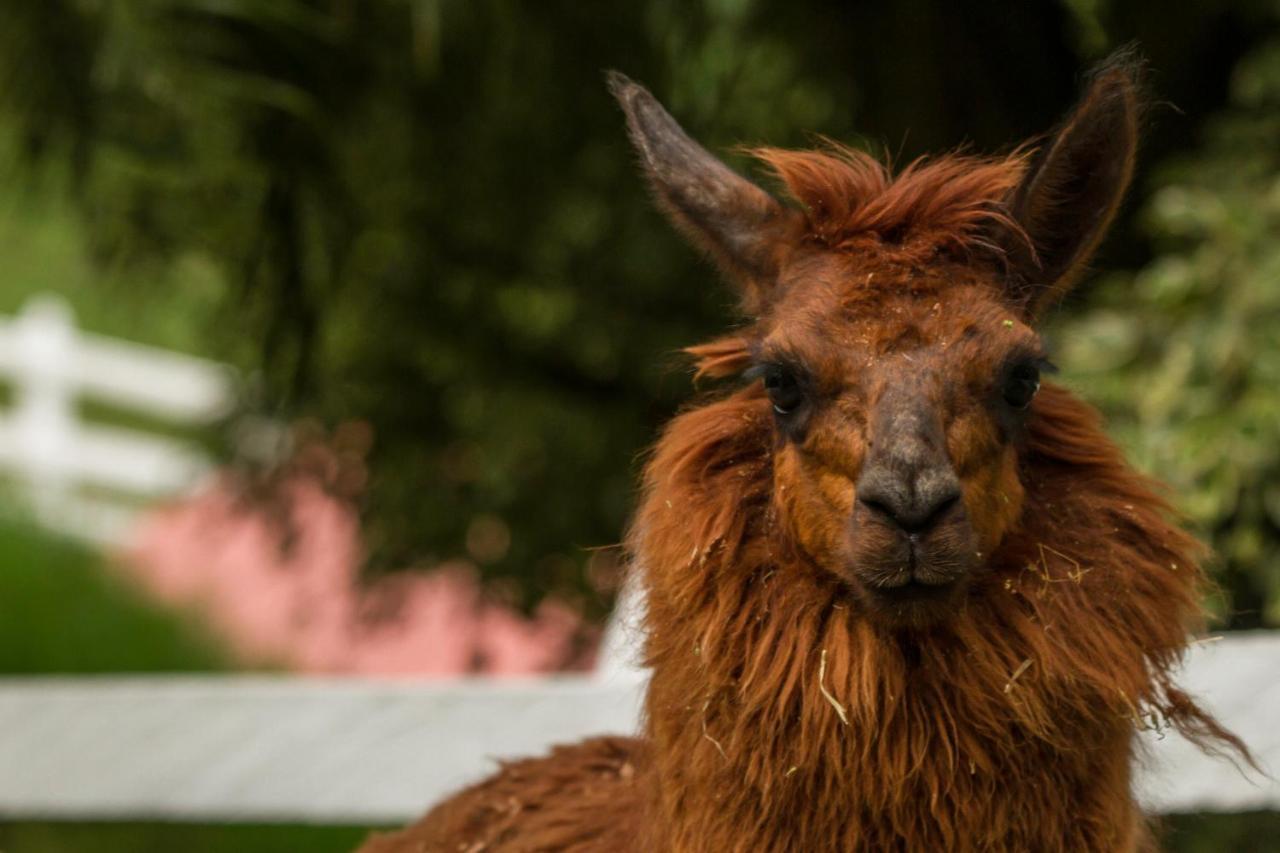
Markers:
(414, 229)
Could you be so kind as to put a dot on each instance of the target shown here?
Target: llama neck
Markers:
(873, 739)
(781, 717)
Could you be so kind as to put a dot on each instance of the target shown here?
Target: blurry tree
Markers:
(1193, 389)
(427, 216)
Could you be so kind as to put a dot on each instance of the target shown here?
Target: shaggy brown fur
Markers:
(950, 202)
(1010, 729)
(804, 697)
(579, 798)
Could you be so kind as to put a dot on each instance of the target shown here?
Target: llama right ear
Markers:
(1073, 187)
(736, 222)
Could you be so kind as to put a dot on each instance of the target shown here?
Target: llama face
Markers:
(893, 328)
(899, 394)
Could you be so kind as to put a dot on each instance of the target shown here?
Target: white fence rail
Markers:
(51, 366)
(379, 751)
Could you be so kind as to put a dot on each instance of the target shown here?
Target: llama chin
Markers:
(902, 594)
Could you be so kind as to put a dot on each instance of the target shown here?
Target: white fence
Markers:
(74, 471)
(379, 751)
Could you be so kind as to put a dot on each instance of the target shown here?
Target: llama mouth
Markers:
(914, 590)
(917, 582)
(917, 576)
(912, 603)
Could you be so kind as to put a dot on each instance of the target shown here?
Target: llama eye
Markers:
(1022, 385)
(783, 390)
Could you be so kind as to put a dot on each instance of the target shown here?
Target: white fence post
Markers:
(622, 646)
(51, 366)
(44, 402)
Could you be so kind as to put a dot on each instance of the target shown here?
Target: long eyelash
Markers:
(1044, 365)
(779, 362)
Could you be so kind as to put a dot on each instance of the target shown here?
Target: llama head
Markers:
(892, 328)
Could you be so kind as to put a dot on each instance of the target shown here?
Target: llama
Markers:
(902, 594)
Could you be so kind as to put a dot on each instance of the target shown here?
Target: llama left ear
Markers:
(736, 222)
(1074, 186)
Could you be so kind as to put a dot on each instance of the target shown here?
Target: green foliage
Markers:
(1185, 355)
(421, 227)
(43, 247)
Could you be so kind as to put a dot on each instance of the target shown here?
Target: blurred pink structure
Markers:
(305, 607)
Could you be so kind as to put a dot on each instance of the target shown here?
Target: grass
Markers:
(40, 837)
(1255, 832)
(63, 611)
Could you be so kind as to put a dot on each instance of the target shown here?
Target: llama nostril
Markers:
(913, 514)
(879, 507)
(942, 505)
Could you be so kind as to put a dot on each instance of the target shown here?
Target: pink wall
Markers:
(304, 607)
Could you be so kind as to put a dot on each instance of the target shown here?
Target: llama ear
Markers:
(735, 221)
(1073, 186)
